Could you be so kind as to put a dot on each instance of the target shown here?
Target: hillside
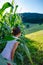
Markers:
(32, 17)
(36, 36)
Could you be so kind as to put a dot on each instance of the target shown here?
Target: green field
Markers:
(36, 36)
(34, 28)
(35, 45)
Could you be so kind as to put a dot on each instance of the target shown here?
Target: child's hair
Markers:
(16, 31)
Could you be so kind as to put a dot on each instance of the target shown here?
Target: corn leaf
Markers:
(6, 5)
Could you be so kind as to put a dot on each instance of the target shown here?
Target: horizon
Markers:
(31, 12)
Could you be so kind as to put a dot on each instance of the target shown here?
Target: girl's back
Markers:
(6, 53)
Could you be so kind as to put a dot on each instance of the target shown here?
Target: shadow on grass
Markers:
(36, 54)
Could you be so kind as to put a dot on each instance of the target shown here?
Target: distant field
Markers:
(33, 28)
(36, 36)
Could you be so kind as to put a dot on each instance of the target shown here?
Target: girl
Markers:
(12, 45)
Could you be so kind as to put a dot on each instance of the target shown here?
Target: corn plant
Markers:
(7, 22)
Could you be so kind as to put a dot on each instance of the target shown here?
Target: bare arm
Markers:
(13, 50)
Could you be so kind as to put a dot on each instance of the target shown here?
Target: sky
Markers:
(33, 6)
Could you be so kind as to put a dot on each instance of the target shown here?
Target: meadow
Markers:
(35, 43)
(36, 36)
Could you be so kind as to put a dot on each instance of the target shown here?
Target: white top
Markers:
(6, 53)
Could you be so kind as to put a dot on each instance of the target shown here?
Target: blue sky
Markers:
(35, 6)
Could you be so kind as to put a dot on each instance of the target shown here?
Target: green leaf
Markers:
(15, 8)
(26, 50)
(7, 38)
(6, 5)
(11, 10)
(20, 57)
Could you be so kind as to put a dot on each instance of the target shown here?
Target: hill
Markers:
(32, 17)
(36, 36)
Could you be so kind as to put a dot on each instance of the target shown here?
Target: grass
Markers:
(34, 28)
(35, 44)
(36, 36)
(36, 52)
